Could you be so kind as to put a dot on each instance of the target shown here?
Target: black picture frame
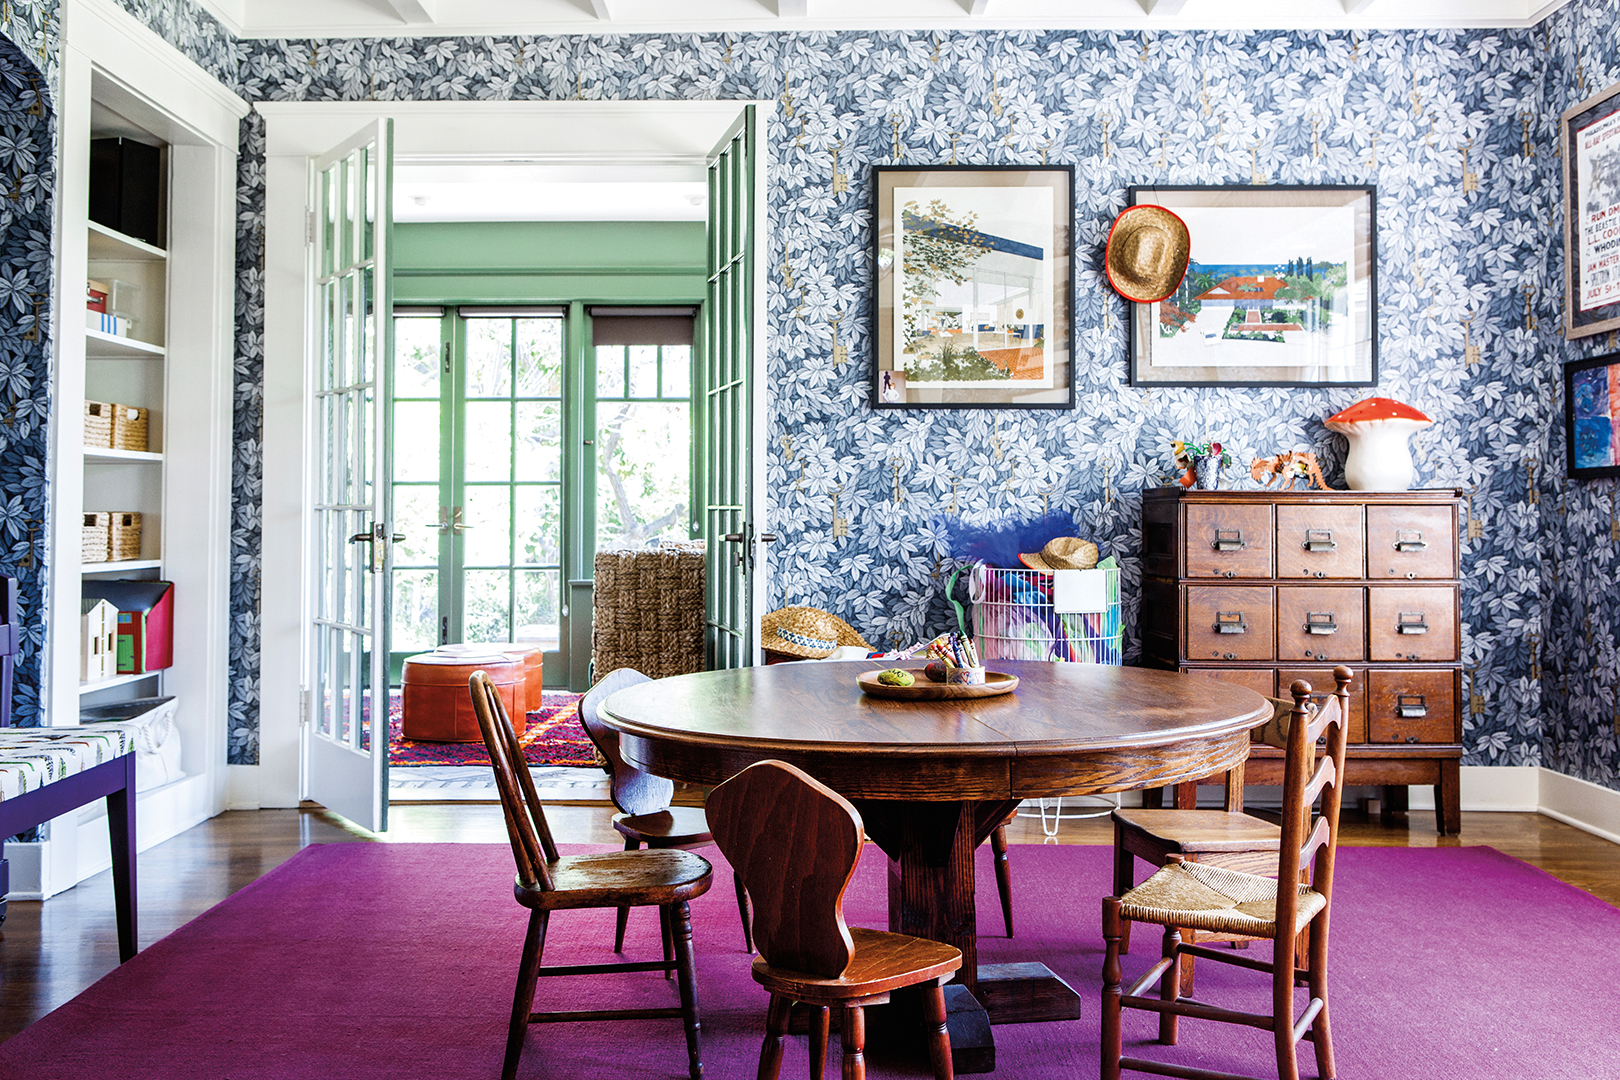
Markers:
(1007, 308)
(1591, 132)
(1333, 331)
(1591, 414)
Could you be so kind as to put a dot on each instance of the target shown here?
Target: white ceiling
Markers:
(392, 18)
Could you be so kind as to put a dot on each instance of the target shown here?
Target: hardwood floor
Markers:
(50, 952)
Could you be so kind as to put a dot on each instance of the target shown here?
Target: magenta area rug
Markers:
(396, 961)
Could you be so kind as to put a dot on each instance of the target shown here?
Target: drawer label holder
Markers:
(1319, 540)
(1320, 622)
(1228, 540)
(1411, 622)
(1409, 540)
(1230, 622)
(1411, 706)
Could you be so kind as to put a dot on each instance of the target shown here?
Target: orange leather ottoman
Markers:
(438, 705)
(531, 653)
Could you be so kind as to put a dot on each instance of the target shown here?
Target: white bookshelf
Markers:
(177, 361)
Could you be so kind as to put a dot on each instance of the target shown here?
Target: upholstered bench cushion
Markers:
(32, 757)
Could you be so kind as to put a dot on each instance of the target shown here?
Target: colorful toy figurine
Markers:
(1287, 469)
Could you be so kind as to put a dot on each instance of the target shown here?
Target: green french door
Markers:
(478, 478)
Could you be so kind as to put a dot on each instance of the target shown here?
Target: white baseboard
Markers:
(1590, 807)
(1503, 788)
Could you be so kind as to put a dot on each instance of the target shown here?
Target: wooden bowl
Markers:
(995, 682)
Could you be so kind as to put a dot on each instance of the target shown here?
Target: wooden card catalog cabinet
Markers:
(1261, 588)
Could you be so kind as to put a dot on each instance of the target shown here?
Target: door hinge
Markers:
(303, 706)
(309, 226)
(447, 358)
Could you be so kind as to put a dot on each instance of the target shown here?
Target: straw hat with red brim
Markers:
(1147, 254)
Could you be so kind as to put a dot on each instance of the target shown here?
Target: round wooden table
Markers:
(932, 779)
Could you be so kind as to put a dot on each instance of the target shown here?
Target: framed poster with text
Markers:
(1591, 144)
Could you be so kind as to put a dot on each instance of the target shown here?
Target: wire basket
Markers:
(1014, 618)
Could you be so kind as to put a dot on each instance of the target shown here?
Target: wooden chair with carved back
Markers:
(1226, 838)
(646, 815)
(547, 882)
(796, 843)
(1216, 900)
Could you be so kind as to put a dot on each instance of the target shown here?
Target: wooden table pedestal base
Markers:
(931, 894)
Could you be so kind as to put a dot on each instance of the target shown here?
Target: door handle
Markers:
(767, 538)
(733, 538)
(379, 538)
(450, 519)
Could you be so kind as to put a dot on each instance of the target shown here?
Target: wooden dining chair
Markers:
(646, 815)
(1215, 899)
(1227, 838)
(796, 842)
(547, 882)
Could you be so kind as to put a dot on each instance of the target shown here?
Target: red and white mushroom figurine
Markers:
(1380, 458)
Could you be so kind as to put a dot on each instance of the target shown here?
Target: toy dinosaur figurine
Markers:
(1288, 468)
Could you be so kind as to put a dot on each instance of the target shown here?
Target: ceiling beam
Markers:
(792, 9)
(1169, 9)
(1356, 7)
(414, 11)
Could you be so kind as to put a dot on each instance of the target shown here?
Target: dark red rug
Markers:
(554, 737)
(375, 961)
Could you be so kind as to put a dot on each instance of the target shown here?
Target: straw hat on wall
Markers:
(1147, 254)
(806, 631)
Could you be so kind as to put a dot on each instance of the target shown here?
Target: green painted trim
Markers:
(552, 271)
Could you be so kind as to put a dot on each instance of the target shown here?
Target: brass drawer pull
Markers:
(1228, 540)
(1411, 706)
(1319, 540)
(1411, 622)
(1320, 622)
(1230, 622)
(1409, 540)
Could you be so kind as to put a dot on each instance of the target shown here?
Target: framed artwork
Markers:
(1592, 215)
(1592, 417)
(974, 287)
(1281, 290)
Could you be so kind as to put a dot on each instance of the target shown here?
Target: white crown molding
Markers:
(248, 18)
(147, 68)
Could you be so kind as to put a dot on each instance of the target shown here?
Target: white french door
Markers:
(345, 734)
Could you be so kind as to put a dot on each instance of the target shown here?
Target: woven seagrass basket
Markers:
(98, 420)
(649, 610)
(129, 427)
(95, 541)
(125, 535)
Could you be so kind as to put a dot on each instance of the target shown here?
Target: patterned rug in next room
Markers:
(554, 737)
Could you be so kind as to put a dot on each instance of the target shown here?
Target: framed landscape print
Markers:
(1592, 417)
(1281, 290)
(1592, 215)
(974, 287)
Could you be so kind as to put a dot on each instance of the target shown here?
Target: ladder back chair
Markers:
(547, 882)
(1215, 899)
(1228, 838)
(646, 815)
(796, 842)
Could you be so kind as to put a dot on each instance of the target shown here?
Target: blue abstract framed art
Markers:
(1592, 417)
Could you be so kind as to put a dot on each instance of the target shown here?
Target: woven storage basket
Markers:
(129, 424)
(95, 542)
(125, 535)
(649, 610)
(98, 423)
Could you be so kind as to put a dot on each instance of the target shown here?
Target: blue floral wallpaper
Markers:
(27, 192)
(1457, 129)
(1580, 583)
